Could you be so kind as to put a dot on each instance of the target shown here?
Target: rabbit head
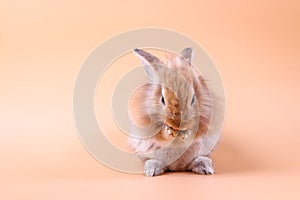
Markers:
(176, 101)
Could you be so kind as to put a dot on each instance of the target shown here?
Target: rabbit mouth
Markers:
(174, 132)
(178, 125)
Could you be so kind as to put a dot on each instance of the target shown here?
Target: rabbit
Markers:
(171, 115)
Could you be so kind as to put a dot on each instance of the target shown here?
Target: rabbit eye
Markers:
(193, 100)
(162, 99)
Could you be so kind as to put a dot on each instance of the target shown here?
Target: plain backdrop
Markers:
(254, 44)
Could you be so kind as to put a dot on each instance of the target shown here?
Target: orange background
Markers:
(254, 44)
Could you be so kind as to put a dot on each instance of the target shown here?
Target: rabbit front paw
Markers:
(153, 168)
(203, 165)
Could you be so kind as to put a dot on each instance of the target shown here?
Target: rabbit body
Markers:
(171, 115)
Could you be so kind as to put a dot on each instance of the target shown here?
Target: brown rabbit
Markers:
(171, 115)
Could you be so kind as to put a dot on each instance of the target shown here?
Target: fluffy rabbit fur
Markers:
(170, 115)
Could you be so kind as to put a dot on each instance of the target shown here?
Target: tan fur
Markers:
(170, 126)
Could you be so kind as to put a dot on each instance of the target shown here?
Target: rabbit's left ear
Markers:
(152, 64)
(188, 54)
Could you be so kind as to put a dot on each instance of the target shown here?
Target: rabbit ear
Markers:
(150, 62)
(188, 54)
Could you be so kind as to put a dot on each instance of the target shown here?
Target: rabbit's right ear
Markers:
(188, 54)
(150, 62)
